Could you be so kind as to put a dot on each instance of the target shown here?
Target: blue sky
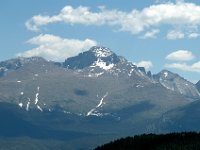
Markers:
(157, 34)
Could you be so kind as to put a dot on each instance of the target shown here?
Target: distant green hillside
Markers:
(172, 141)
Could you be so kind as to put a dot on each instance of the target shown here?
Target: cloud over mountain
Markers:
(56, 48)
(180, 55)
(185, 16)
(146, 64)
(181, 58)
(195, 67)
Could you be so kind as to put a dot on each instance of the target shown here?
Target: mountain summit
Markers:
(101, 57)
(99, 61)
(178, 84)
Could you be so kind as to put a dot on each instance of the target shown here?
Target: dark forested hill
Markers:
(172, 141)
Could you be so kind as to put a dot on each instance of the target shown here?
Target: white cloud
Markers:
(151, 34)
(173, 35)
(180, 55)
(185, 67)
(193, 35)
(146, 64)
(56, 48)
(179, 14)
(79, 15)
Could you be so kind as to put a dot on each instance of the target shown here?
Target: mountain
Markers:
(198, 85)
(88, 99)
(96, 56)
(101, 61)
(97, 79)
(13, 64)
(177, 84)
(185, 118)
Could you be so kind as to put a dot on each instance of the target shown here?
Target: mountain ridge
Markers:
(198, 85)
(104, 97)
(95, 63)
(177, 83)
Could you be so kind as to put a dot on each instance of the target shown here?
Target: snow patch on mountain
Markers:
(95, 74)
(131, 71)
(28, 104)
(139, 86)
(39, 108)
(101, 101)
(93, 110)
(36, 98)
(102, 52)
(37, 95)
(20, 104)
(165, 74)
(101, 64)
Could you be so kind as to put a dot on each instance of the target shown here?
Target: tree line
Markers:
(171, 141)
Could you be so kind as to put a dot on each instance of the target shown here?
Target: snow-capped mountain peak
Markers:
(101, 51)
(101, 57)
(99, 61)
(106, 59)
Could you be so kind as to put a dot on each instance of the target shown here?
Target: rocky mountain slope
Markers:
(198, 85)
(96, 94)
(177, 84)
(88, 79)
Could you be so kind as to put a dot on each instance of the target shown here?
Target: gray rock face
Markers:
(14, 64)
(177, 84)
(198, 85)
